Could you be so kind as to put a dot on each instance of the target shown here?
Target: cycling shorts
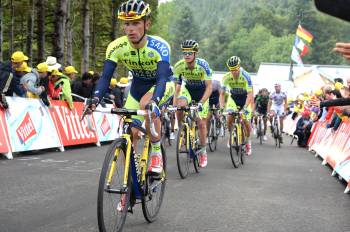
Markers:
(184, 94)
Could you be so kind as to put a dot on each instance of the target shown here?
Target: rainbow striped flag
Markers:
(304, 34)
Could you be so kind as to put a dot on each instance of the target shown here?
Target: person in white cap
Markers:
(51, 61)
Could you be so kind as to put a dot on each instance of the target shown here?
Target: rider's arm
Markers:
(176, 94)
(269, 105)
(103, 83)
(163, 73)
(207, 93)
(222, 99)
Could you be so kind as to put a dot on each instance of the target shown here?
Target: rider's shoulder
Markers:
(179, 64)
(204, 65)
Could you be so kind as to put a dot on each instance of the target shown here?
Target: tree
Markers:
(86, 36)
(59, 33)
(30, 30)
(40, 30)
(182, 28)
(11, 27)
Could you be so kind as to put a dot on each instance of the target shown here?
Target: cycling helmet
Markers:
(233, 63)
(133, 10)
(190, 45)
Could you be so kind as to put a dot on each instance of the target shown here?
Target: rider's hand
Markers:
(152, 106)
(200, 106)
(91, 105)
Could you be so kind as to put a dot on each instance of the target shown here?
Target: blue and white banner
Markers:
(30, 126)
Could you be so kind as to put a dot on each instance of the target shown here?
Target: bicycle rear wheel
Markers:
(235, 148)
(112, 199)
(155, 188)
(182, 153)
(212, 136)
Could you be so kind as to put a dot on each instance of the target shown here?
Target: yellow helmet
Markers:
(70, 69)
(18, 57)
(24, 68)
(133, 10)
(42, 67)
(123, 82)
(113, 82)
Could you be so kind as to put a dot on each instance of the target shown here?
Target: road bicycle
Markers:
(124, 179)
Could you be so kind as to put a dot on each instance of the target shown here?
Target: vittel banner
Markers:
(30, 126)
(71, 129)
(4, 139)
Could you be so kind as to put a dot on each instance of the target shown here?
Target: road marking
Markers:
(29, 158)
(54, 161)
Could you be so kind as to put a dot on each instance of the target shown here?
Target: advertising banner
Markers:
(30, 126)
(107, 125)
(4, 139)
(71, 129)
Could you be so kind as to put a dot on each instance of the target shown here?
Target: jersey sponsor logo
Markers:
(26, 129)
(144, 73)
(126, 54)
(140, 63)
(133, 53)
(115, 48)
(160, 47)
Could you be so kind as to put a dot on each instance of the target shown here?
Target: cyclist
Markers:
(239, 84)
(278, 105)
(260, 106)
(214, 102)
(193, 76)
(148, 58)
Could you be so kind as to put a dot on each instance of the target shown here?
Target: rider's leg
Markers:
(202, 127)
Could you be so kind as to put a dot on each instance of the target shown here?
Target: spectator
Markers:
(60, 84)
(303, 129)
(83, 87)
(43, 70)
(30, 81)
(9, 80)
(71, 72)
(343, 49)
(51, 61)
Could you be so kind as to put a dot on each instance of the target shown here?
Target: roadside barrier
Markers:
(29, 125)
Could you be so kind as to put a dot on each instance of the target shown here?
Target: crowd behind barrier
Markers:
(28, 125)
(333, 146)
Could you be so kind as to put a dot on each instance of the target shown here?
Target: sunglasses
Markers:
(187, 53)
(234, 69)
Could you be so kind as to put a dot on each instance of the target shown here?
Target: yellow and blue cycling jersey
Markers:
(193, 79)
(150, 66)
(238, 88)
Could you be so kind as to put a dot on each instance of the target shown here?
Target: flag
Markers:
(298, 43)
(304, 34)
(296, 57)
(304, 51)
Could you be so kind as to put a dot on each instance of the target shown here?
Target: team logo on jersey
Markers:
(133, 53)
(151, 54)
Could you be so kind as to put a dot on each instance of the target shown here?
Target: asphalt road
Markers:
(283, 189)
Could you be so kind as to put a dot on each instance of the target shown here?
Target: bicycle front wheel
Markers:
(235, 148)
(112, 198)
(182, 153)
(155, 188)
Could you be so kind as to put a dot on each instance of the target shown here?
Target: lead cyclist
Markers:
(148, 58)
